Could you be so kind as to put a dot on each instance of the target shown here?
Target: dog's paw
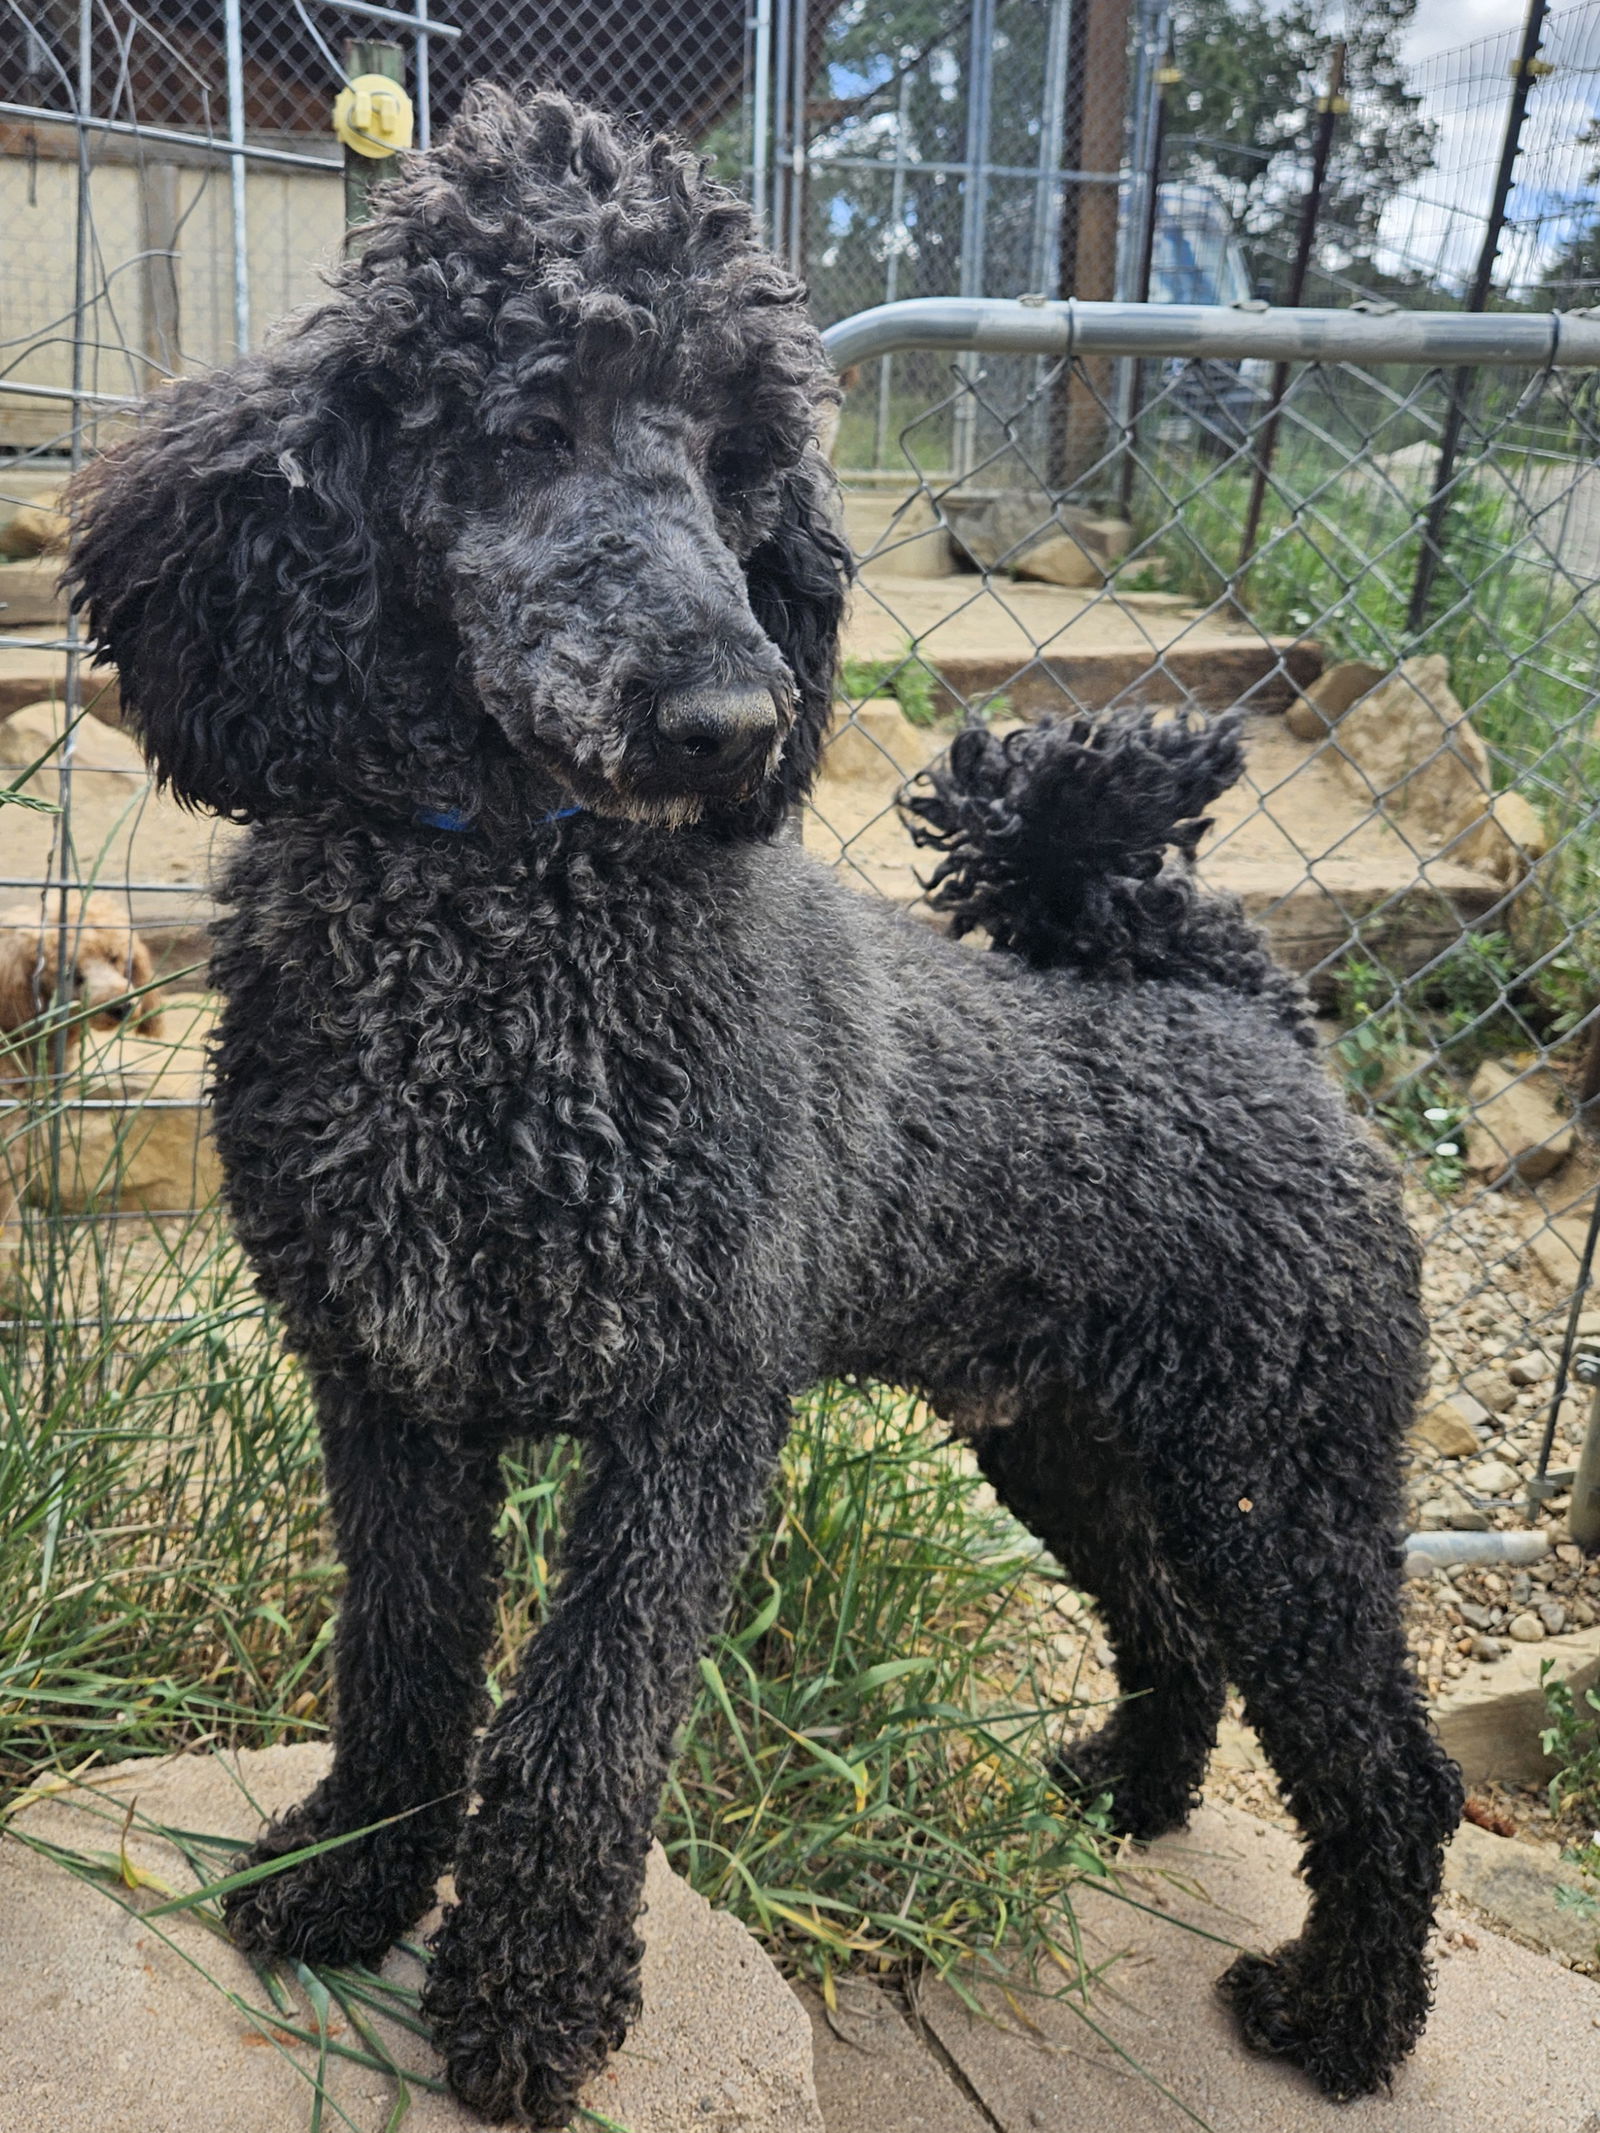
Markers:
(347, 1905)
(1349, 2046)
(514, 2050)
(1145, 1803)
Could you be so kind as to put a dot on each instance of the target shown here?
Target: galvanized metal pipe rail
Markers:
(1224, 333)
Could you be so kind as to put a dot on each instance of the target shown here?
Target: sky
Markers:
(1441, 25)
(1438, 224)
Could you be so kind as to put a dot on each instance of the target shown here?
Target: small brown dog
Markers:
(109, 986)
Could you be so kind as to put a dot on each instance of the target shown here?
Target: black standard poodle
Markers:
(559, 1091)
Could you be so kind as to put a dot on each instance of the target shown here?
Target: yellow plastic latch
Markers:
(373, 115)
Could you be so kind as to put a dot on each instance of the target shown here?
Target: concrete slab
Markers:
(103, 2026)
(1521, 1887)
(1513, 2046)
(875, 2075)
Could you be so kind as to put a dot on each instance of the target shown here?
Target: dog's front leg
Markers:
(535, 1972)
(414, 1517)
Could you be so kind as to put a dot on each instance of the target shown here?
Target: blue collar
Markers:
(452, 818)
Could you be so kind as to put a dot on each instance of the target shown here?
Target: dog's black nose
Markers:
(708, 736)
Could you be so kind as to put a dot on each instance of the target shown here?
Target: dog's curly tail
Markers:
(1055, 841)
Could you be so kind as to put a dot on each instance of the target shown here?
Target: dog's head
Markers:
(531, 513)
(109, 971)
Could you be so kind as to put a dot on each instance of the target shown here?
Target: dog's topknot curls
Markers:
(1055, 840)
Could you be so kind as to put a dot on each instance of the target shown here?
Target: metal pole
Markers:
(761, 116)
(1525, 72)
(782, 53)
(1529, 340)
(1166, 77)
(424, 85)
(1328, 109)
(799, 80)
(233, 47)
(1044, 265)
(974, 212)
(62, 853)
(891, 276)
(1152, 55)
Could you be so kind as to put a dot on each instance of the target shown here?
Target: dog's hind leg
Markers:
(1293, 1538)
(414, 1521)
(1086, 1501)
(535, 1973)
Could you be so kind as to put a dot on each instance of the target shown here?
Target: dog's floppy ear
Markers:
(227, 562)
(797, 581)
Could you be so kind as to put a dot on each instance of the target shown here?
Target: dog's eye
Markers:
(542, 434)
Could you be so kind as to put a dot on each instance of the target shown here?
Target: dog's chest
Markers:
(484, 1139)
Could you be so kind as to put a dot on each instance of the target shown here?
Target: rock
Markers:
(1520, 1885)
(1519, 1124)
(1083, 557)
(1554, 1617)
(1492, 1387)
(1530, 1369)
(33, 529)
(896, 536)
(1022, 530)
(1446, 1430)
(876, 744)
(1507, 841)
(109, 760)
(1486, 1650)
(1410, 748)
(1493, 1477)
(1473, 1615)
(103, 2026)
(1527, 1629)
(1556, 1249)
(1451, 1512)
(1329, 697)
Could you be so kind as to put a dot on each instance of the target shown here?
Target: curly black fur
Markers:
(630, 1122)
(1055, 840)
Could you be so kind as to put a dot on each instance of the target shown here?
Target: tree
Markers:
(1246, 110)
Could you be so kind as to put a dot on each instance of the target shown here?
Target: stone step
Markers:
(1058, 648)
(30, 677)
(103, 2025)
(1306, 856)
(1512, 2046)
(30, 594)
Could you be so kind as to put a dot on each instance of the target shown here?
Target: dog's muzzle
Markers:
(711, 740)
